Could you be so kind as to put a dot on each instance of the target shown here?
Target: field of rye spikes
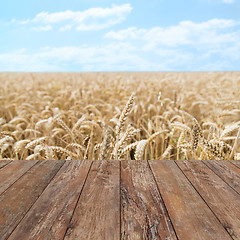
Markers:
(109, 116)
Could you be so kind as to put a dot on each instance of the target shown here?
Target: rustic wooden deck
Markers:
(53, 200)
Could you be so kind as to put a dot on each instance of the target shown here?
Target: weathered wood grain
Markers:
(39, 201)
(97, 215)
(17, 200)
(226, 171)
(49, 217)
(222, 199)
(3, 163)
(236, 163)
(191, 217)
(143, 214)
(12, 172)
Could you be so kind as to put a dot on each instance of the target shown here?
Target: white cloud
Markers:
(210, 34)
(228, 1)
(65, 28)
(210, 45)
(24, 21)
(90, 19)
(21, 60)
(42, 28)
(120, 57)
(129, 33)
(187, 43)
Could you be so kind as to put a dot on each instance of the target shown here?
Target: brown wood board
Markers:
(18, 199)
(191, 217)
(48, 219)
(219, 196)
(143, 214)
(56, 200)
(97, 215)
(236, 163)
(12, 172)
(3, 163)
(226, 171)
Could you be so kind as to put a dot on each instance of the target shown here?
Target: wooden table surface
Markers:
(53, 200)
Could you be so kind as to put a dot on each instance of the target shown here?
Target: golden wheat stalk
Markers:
(129, 133)
(105, 145)
(166, 154)
(127, 149)
(213, 149)
(63, 151)
(35, 142)
(122, 120)
(65, 127)
(235, 145)
(141, 146)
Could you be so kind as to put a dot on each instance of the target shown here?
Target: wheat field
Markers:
(136, 116)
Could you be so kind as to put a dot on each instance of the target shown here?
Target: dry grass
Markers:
(120, 116)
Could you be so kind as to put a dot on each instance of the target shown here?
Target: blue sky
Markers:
(137, 35)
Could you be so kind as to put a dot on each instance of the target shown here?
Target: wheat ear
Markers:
(64, 126)
(167, 152)
(35, 142)
(63, 151)
(128, 148)
(141, 146)
(196, 133)
(229, 129)
(105, 145)
(235, 145)
(122, 120)
(130, 132)
(213, 149)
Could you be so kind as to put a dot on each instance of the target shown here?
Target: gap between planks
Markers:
(216, 193)
(13, 207)
(143, 212)
(227, 171)
(191, 217)
(4, 163)
(49, 219)
(103, 172)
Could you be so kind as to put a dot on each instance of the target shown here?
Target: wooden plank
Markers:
(97, 215)
(3, 163)
(49, 217)
(226, 171)
(17, 200)
(236, 163)
(191, 217)
(12, 172)
(143, 214)
(222, 199)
